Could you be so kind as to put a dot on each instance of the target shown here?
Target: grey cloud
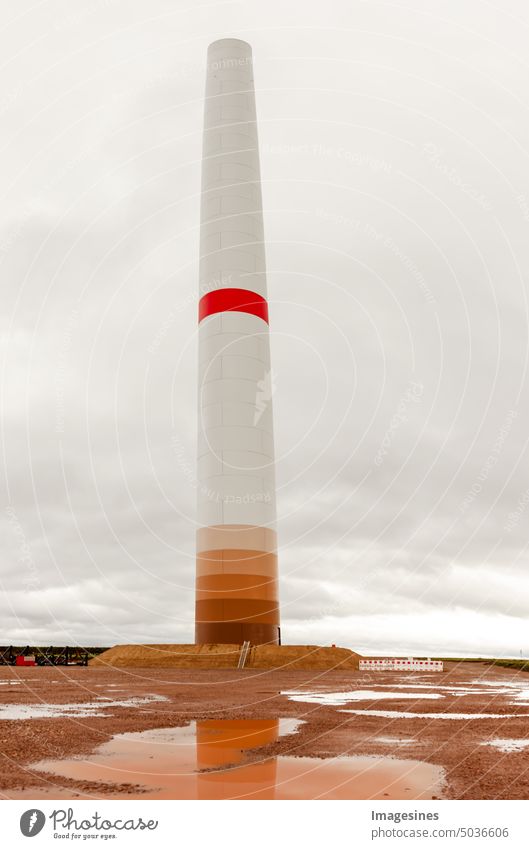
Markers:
(396, 211)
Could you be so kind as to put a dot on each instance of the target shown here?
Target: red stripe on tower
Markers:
(232, 300)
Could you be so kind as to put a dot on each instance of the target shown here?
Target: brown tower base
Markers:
(258, 634)
(236, 586)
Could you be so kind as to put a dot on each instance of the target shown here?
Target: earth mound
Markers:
(226, 656)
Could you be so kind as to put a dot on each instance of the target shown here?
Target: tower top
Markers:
(230, 44)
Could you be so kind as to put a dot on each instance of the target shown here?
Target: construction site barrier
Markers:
(387, 664)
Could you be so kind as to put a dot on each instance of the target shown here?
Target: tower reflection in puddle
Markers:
(222, 746)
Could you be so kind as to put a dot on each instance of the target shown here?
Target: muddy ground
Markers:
(473, 770)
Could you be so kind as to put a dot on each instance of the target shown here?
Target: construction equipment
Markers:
(50, 656)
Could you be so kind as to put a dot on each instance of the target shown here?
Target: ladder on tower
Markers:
(245, 648)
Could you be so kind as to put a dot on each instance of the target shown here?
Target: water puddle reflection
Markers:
(507, 746)
(324, 698)
(400, 714)
(43, 710)
(212, 759)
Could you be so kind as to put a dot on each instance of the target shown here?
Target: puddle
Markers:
(473, 688)
(212, 760)
(451, 689)
(47, 711)
(322, 698)
(410, 686)
(507, 746)
(521, 696)
(399, 741)
(10, 682)
(398, 714)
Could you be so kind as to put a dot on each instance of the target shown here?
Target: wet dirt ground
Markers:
(471, 721)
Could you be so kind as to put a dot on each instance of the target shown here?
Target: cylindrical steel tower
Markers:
(236, 587)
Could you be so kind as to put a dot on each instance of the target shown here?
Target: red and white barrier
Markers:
(410, 664)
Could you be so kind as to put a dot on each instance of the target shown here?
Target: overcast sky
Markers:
(395, 164)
